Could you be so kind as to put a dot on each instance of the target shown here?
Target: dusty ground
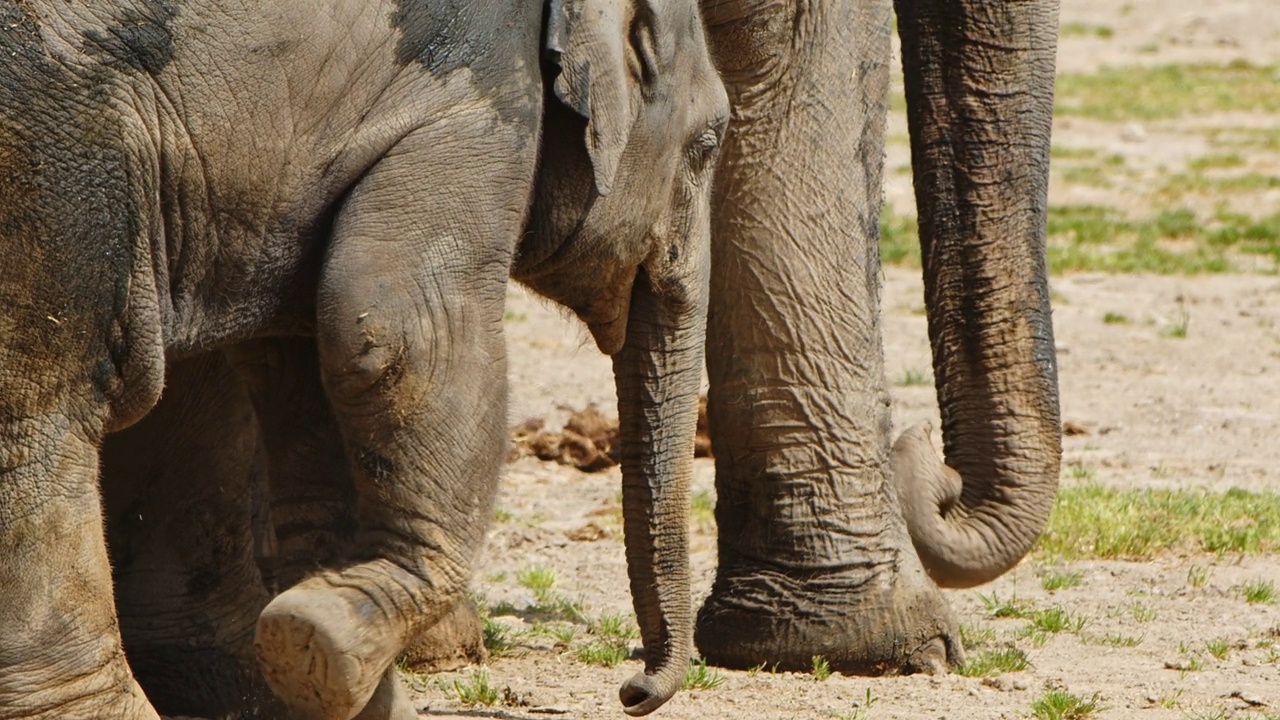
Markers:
(1158, 410)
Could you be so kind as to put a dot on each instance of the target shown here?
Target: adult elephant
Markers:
(814, 556)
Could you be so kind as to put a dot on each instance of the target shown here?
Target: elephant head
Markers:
(619, 232)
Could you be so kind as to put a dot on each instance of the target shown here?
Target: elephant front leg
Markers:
(312, 501)
(413, 362)
(60, 651)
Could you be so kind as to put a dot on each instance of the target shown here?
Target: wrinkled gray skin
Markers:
(830, 543)
(191, 190)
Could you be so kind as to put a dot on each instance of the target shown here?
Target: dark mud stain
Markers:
(140, 38)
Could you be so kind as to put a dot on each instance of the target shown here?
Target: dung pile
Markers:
(588, 441)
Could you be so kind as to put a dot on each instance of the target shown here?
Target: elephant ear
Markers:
(588, 39)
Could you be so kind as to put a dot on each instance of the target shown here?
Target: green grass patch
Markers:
(1219, 648)
(820, 668)
(1143, 613)
(700, 677)
(1062, 705)
(912, 377)
(1055, 620)
(1245, 138)
(1062, 152)
(899, 239)
(615, 627)
(548, 604)
(975, 636)
(1079, 471)
(1115, 318)
(1088, 176)
(476, 689)
(1182, 184)
(1167, 92)
(1258, 592)
(603, 654)
(1093, 238)
(499, 639)
(1086, 30)
(1092, 521)
(1215, 161)
(1011, 608)
(992, 662)
(562, 633)
(537, 579)
(1120, 640)
(702, 511)
(1197, 576)
(610, 643)
(1061, 580)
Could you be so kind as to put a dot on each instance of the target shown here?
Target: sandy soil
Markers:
(1157, 410)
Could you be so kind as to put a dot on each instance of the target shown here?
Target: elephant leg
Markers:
(311, 500)
(80, 355)
(413, 363)
(60, 651)
(178, 494)
(814, 557)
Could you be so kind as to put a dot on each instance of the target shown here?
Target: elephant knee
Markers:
(370, 371)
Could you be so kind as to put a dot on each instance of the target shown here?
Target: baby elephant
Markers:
(181, 177)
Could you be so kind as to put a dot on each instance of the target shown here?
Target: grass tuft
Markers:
(1062, 705)
(912, 377)
(992, 662)
(821, 669)
(1011, 608)
(1197, 576)
(537, 579)
(700, 677)
(1219, 648)
(1061, 580)
(972, 636)
(1121, 640)
(1258, 592)
(603, 654)
(702, 511)
(1056, 620)
(476, 689)
(899, 239)
(499, 639)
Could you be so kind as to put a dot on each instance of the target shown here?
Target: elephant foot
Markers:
(325, 645)
(861, 621)
(390, 701)
(113, 697)
(454, 642)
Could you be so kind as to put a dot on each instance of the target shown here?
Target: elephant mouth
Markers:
(606, 316)
(610, 335)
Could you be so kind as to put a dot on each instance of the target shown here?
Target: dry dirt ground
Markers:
(1156, 409)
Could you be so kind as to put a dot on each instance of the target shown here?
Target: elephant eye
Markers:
(703, 150)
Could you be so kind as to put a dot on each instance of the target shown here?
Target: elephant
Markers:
(832, 542)
(198, 192)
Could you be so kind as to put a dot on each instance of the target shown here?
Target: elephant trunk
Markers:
(979, 82)
(658, 372)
